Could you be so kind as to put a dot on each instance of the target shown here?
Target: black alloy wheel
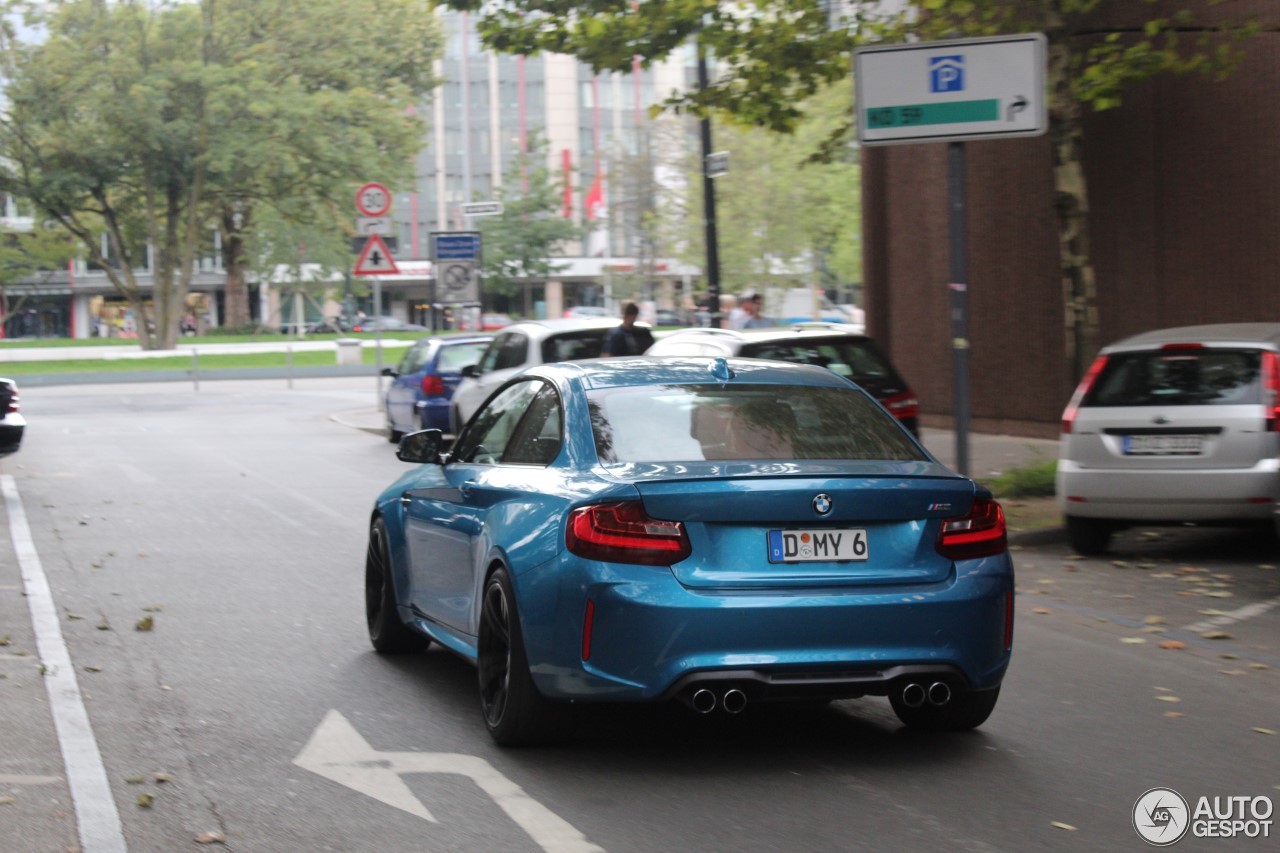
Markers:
(515, 713)
(389, 635)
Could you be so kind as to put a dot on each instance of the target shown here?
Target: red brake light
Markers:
(13, 400)
(1073, 407)
(1181, 347)
(981, 533)
(433, 386)
(1270, 386)
(902, 406)
(623, 533)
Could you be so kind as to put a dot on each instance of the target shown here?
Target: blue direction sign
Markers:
(455, 246)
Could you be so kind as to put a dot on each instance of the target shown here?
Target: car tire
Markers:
(387, 632)
(1089, 536)
(515, 713)
(967, 710)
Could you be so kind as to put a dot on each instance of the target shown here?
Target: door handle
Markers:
(468, 489)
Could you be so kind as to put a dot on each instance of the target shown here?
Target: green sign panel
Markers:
(949, 112)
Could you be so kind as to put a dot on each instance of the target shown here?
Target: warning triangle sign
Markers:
(375, 258)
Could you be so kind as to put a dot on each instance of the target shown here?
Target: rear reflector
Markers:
(1073, 407)
(588, 625)
(981, 533)
(1008, 620)
(623, 533)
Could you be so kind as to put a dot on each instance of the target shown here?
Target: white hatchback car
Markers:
(1173, 426)
(525, 344)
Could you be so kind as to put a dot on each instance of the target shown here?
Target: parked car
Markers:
(1171, 426)
(329, 325)
(527, 343)
(718, 532)
(667, 317)
(12, 423)
(586, 312)
(423, 383)
(493, 322)
(386, 324)
(839, 348)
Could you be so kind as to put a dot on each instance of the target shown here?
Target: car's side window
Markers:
(537, 438)
(490, 431)
(413, 360)
(490, 358)
(513, 352)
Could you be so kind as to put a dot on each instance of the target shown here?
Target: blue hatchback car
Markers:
(423, 383)
(719, 532)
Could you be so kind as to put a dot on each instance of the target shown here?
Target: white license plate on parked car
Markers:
(1163, 445)
(811, 546)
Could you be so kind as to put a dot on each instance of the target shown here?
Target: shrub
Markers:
(1031, 481)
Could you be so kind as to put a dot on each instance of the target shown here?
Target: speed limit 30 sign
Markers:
(373, 200)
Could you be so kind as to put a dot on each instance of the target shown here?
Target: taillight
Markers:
(433, 386)
(905, 405)
(981, 533)
(623, 533)
(1271, 389)
(13, 400)
(1073, 407)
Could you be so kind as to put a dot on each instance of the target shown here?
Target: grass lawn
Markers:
(183, 361)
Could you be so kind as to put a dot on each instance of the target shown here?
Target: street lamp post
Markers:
(709, 202)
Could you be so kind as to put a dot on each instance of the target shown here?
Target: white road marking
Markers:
(338, 752)
(1249, 611)
(96, 815)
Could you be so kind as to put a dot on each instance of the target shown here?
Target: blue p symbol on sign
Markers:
(946, 74)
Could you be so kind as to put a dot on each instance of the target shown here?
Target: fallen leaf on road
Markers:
(135, 780)
(155, 608)
(1164, 575)
(211, 838)
(1133, 640)
(1217, 593)
(1043, 611)
(1172, 644)
(1155, 620)
(4, 640)
(1216, 635)
(1265, 566)
(1059, 825)
(1074, 557)
(5, 801)
(1120, 564)
(145, 624)
(104, 625)
(1233, 672)
(1229, 656)
(1213, 612)
(1263, 731)
(1173, 715)
(1124, 595)
(144, 801)
(1154, 629)
(1258, 666)
(1168, 698)
(162, 777)
(93, 669)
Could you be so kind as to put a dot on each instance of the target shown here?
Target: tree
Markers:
(30, 254)
(518, 244)
(152, 124)
(773, 53)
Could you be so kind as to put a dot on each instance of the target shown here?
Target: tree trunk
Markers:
(233, 262)
(1071, 202)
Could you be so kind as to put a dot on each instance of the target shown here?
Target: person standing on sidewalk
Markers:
(626, 338)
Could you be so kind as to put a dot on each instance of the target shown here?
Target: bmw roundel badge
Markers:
(822, 504)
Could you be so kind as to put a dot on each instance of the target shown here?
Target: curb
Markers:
(368, 420)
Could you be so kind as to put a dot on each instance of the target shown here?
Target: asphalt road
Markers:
(254, 710)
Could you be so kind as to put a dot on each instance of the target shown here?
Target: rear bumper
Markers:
(12, 427)
(652, 638)
(1209, 495)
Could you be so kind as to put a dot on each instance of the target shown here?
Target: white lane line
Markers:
(96, 814)
(1233, 617)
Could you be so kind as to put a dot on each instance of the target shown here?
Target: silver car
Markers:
(1172, 426)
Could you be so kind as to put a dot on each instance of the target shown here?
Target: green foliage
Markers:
(1031, 481)
(151, 123)
(33, 254)
(520, 242)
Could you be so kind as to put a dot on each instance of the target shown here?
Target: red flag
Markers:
(595, 198)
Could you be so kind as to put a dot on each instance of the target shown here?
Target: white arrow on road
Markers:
(337, 752)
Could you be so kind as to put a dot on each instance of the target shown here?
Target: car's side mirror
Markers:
(471, 371)
(421, 447)
(390, 371)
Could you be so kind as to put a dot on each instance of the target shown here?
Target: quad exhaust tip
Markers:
(734, 701)
(703, 701)
(915, 694)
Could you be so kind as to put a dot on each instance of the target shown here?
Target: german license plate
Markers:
(812, 546)
(1163, 445)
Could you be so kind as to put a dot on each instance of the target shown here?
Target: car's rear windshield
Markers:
(1178, 377)
(694, 423)
(858, 360)
(454, 357)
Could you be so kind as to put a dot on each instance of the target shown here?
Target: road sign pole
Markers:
(959, 302)
(377, 335)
